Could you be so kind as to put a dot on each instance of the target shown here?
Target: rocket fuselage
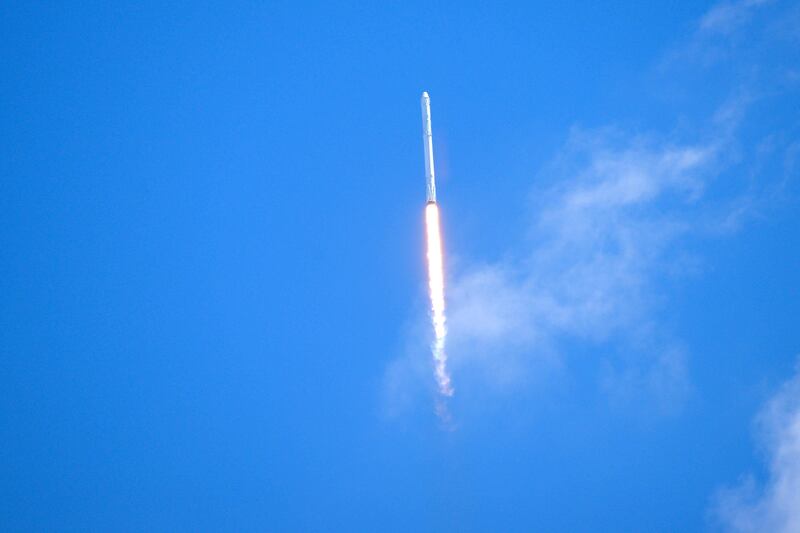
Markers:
(427, 140)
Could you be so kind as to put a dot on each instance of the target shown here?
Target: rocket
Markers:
(427, 141)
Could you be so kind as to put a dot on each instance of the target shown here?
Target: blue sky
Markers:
(214, 309)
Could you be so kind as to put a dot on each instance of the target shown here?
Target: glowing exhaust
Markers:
(436, 287)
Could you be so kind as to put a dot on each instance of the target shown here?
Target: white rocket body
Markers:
(427, 140)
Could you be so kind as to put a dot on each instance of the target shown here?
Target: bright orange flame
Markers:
(436, 286)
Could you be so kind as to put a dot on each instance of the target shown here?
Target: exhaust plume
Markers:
(436, 287)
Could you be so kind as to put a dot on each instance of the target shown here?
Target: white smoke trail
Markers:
(436, 286)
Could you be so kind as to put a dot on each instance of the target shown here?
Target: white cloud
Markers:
(603, 237)
(774, 505)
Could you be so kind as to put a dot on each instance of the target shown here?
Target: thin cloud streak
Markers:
(727, 17)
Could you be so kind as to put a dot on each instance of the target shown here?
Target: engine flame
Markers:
(436, 286)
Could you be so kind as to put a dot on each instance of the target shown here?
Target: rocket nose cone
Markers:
(424, 95)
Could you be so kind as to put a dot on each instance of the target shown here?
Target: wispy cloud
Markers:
(773, 505)
(606, 231)
(726, 17)
(730, 33)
